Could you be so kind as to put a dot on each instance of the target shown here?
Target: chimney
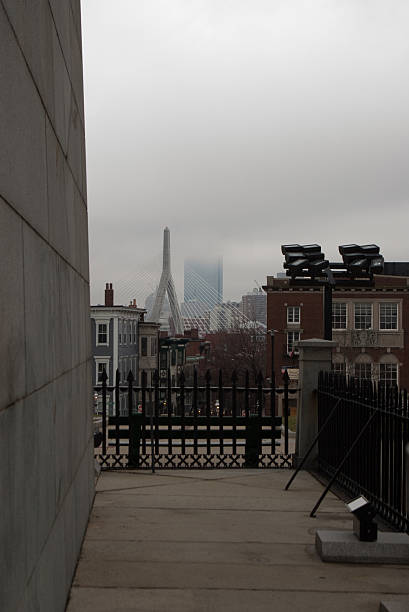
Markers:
(109, 295)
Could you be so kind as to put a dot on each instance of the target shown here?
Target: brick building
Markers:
(370, 324)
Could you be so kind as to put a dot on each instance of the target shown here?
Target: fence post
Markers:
(104, 378)
(315, 356)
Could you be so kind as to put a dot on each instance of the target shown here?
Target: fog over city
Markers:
(242, 125)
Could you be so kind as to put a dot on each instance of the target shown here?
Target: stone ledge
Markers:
(394, 605)
(344, 547)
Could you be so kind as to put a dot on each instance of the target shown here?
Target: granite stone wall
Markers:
(46, 442)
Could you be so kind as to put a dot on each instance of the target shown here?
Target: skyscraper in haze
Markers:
(203, 281)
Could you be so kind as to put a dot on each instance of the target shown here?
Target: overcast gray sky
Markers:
(242, 125)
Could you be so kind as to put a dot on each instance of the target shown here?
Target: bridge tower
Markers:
(166, 284)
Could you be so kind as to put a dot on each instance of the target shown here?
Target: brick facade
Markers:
(373, 346)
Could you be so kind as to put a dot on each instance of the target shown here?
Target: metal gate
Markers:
(193, 426)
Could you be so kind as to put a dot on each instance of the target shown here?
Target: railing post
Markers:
(182, 410)
(315, 356)
(195, 410)
(234, 409)
(117, 413)
(104, 378)
(286, 380)
(208, 400)
(259, 381)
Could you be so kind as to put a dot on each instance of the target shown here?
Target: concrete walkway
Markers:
(225, 540)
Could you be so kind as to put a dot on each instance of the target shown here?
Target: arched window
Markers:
(363, 367)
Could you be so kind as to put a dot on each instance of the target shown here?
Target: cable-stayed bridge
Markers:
(153, 287)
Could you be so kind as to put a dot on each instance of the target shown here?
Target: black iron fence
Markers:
(192, 425)
(366, 436)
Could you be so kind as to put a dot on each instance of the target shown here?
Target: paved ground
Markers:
(223, 540)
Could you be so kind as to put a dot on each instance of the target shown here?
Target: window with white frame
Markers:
(363, 315)
(293, 314)
(130, 331)
(153, 346)
(339, 315)
(388, 373)
(144, 346)
(292, 338)
(102, 333)
(120, 331)
(363, 370)
(339, 367)
(124, 326)
(101, 366)
(134, 333)
(388, 315)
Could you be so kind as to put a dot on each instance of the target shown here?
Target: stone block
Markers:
(27, 490)
(64, 333)
(42, 51)
(22, 135)
(344, 547)
(12, 331)
(40, 282)
(76, 145)
(67, 210)
(395, 605)
(61, 94)
(67, 18)
(36, 43)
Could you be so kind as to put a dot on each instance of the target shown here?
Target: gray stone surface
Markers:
(22, 135)
(395, 605)
(218, 540)
(46, 443)
(344, 547)
(12, 326)
(315, 355)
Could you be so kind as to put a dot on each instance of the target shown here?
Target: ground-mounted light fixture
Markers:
(363, 512)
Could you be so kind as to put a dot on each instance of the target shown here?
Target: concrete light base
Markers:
(344, 547)
(394, 605)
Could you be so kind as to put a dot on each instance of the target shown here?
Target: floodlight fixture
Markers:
(363, 512)
(362, 259)
(305, 260)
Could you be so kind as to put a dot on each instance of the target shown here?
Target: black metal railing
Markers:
(367, 435)
(192, 425)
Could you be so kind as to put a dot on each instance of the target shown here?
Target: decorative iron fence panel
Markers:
(377, 465)
(207, 426)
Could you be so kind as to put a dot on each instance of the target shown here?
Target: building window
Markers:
(388, 373)
(293, 314)
(173, 357)
(164, 359)
(363, 370)
(144, 346)
(339, 367)
(154, 343)
(120, 331)
(292, 338)
(134, 333)
(102, 333)
(339, 315)
(180, 356)
(124, 332)
(363, 316)
(101, 366)
(388, 315)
